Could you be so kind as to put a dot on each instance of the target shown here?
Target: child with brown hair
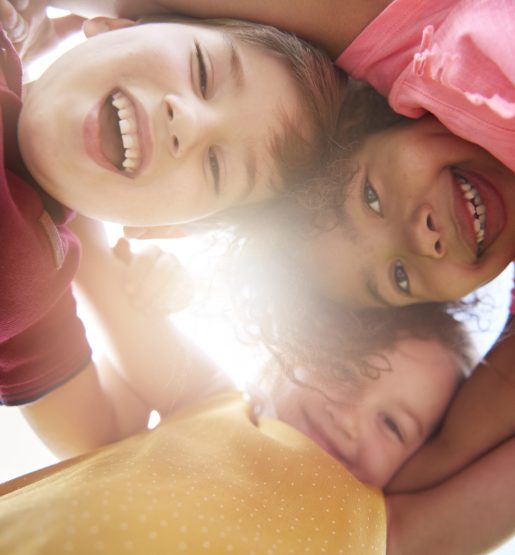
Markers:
(146, 135)
(220, 475)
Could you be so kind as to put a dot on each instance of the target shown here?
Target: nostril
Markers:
(429, 223)
(176, 144)
(438, 247)
(170, 112)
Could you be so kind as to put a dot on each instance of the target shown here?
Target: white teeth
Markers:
(127, 126)
(129, 141)
(130, 164)
(476, 209)
(131, 153)
(128, 130)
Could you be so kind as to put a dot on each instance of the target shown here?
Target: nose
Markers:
(424, 236)
(187, 123)
(345, 418)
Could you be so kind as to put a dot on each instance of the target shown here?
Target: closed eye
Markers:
(392, 426)
(202, 71)
(214, 168)
(400, 277)
(371, 198)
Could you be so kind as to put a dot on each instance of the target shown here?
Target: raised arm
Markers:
(331, 24)
(481, 417)
(469, 514)
(146, 364)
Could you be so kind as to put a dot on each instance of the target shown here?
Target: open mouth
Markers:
(120, 144)
(476, 209)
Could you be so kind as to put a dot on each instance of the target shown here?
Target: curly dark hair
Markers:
(276, 302)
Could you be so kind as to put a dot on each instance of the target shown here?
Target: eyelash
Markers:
(214, 165)
(400, 277)
(214, 168)
(202, 71)
(392, 426)
(371, 198)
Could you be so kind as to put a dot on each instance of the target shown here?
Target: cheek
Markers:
(383, 459)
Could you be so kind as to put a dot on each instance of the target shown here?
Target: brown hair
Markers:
(321, 87)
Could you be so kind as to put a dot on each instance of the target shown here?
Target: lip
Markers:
(92, 136)
(495, 214)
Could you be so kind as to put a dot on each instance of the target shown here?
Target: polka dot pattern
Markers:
(205, 481)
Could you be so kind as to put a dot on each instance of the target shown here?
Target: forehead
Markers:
(420, 368)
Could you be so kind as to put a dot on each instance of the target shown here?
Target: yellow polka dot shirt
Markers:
(208, 480)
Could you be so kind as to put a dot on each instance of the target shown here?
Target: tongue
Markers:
(110, 138)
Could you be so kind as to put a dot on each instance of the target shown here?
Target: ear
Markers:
(155, 232)
(99, 25)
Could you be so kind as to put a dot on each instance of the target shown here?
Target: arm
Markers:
(146, 363)
(481, 417)
(332, 24)
(469, 514)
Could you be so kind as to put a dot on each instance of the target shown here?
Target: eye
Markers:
(214, 168)
(392, 426)
(202, 71)
(372, 198)
(400, 277)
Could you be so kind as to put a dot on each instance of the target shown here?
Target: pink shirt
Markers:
(453, 58)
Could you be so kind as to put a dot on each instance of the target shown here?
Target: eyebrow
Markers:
(373, 289)
(251, 169)
(236, 66)
(237, 76)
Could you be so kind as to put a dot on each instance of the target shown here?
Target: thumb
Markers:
(122, 250)
(67, 25)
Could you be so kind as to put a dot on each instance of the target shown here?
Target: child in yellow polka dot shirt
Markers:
(216, 477)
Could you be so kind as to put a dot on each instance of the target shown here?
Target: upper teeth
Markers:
(128, 130)
(476, 208)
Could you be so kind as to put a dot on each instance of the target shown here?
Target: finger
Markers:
(20, 30)
(14, 24)
(141, 266)
(176, 288)
(157, 290)
(20, 5)
(67, 25)
(183, 294)
(155, 232)
(168, 289)
(8, 15)
(156, 287)
(122, 250)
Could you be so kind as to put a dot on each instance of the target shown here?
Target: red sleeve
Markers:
(42, 340)
(44, 356)
(512, 306)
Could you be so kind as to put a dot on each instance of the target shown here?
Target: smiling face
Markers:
(374, 429)
(428, 217)
(157, 124)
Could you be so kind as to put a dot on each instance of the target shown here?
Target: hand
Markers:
(31, 31)
(155, 280)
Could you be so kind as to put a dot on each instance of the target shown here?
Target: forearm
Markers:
(81, 415)
(481, 417)
(331, 24)
(153, 359)
(468, 514)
